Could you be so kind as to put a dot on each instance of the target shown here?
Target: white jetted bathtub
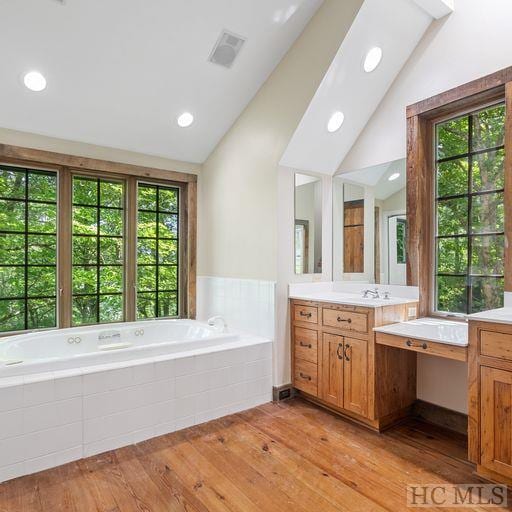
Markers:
(71, 393)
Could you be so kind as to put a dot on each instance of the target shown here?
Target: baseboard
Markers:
(284, 392)
(441, 416)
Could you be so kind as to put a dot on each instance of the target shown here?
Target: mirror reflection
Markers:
(370, 224)
(308, 224)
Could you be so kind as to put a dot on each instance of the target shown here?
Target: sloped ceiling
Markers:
(396, 26)
(119, 72)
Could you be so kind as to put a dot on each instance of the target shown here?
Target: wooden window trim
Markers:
(69, 165)
(421, 118)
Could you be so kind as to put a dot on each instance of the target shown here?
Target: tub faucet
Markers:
(218, 322)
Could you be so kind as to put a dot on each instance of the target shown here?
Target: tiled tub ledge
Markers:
(49, 419)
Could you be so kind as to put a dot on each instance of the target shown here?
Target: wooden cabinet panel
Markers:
(347, 320)
(306, 377)
(355, 376)
(353, 250)
(305, 314)
(306, 344)
(496, 344)
(331, 374)
(496, 420)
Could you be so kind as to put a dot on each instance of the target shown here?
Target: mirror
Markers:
(308, 224)
(370, 224)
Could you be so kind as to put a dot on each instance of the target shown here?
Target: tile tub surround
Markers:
(341, 292)
(49, 419)
(437, 330)
(248, 305)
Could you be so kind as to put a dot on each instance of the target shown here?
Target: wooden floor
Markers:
(287, 457)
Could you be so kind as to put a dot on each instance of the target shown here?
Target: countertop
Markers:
(500, 316)
(351, 299)
(436, 330)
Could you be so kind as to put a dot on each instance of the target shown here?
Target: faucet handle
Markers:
(386, 295)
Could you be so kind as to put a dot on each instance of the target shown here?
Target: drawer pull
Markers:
(409, 343)
(307, 345)
(307, 315)
(304, 376)
(348, 320)
(339, 351)
(347, 346)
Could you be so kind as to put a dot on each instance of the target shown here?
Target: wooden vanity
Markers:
(337, 364)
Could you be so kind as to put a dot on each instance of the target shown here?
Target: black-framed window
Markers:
(157, 251)
(28, 249)
(98, 248)
(469, 271)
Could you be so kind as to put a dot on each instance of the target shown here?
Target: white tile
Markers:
(12, 450)
(184, 366)
(165, 412)
(39, 464)
(120, 378)
(39, 417)
(186, 422)
(68, 387)
(48, 441)
(258, 387)
(164, 369)
(258, 369)
(204, 362)
(144, 373)
(38, 392)
(164, 428)
(187, 385)
(11, 424)
(96, 382)
(68, 411)
(202, 403)
(165, 389)
(184, 407)
(12, 471)
(65, 456)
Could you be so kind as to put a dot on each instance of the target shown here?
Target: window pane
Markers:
(85, 310)
(488, 128)
(42, 249)
(42, 187)
(12, 183)
(12, 216)
(452, 138)
(452, 255)
(98, 259)
(488, 172)
(41, 281)
(157, 251)
(487, 213)
(111, 308)
(452, 216)
(451, 294)
(452, 177)
(12, 249)
(28, 258)
(487, 255)
(486, 293)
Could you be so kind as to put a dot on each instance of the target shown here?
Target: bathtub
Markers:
(72, 393)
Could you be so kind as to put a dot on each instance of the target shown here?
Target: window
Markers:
(98, 248)
(157, 251)
(401, 233)
(28, 249)
(469, 212)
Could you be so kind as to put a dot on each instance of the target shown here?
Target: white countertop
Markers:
(437, 330)
(351, 299)
(500, 316)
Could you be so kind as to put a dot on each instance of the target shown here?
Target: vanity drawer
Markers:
(347, 320)
(305, 314)
(306, 344)
(496, 344)
(306, 377)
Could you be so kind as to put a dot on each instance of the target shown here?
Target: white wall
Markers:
(468, 44)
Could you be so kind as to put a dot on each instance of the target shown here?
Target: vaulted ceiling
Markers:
(119, 72)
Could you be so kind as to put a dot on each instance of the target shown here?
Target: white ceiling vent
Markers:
(226, 49)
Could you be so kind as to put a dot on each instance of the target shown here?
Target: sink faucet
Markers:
(374, 293)
(218, 322)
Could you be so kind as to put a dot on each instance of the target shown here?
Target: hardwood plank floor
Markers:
(283, 457)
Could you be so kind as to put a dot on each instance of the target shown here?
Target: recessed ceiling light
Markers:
(335, 121)
(394, 176)
(34, 81)
(372, 59)
(185, 120)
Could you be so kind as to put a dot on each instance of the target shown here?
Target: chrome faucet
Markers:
(374, 293)
(218, 322)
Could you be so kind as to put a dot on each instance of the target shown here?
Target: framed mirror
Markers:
(308, 224)
(370, 224)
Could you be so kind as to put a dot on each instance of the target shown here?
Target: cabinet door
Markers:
(332, 369)
(355, 376)
(496, 420)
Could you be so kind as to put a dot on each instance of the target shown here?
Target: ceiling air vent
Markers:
(226, 49)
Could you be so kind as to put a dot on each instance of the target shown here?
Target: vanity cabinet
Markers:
(337, 364)
(490, 399)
